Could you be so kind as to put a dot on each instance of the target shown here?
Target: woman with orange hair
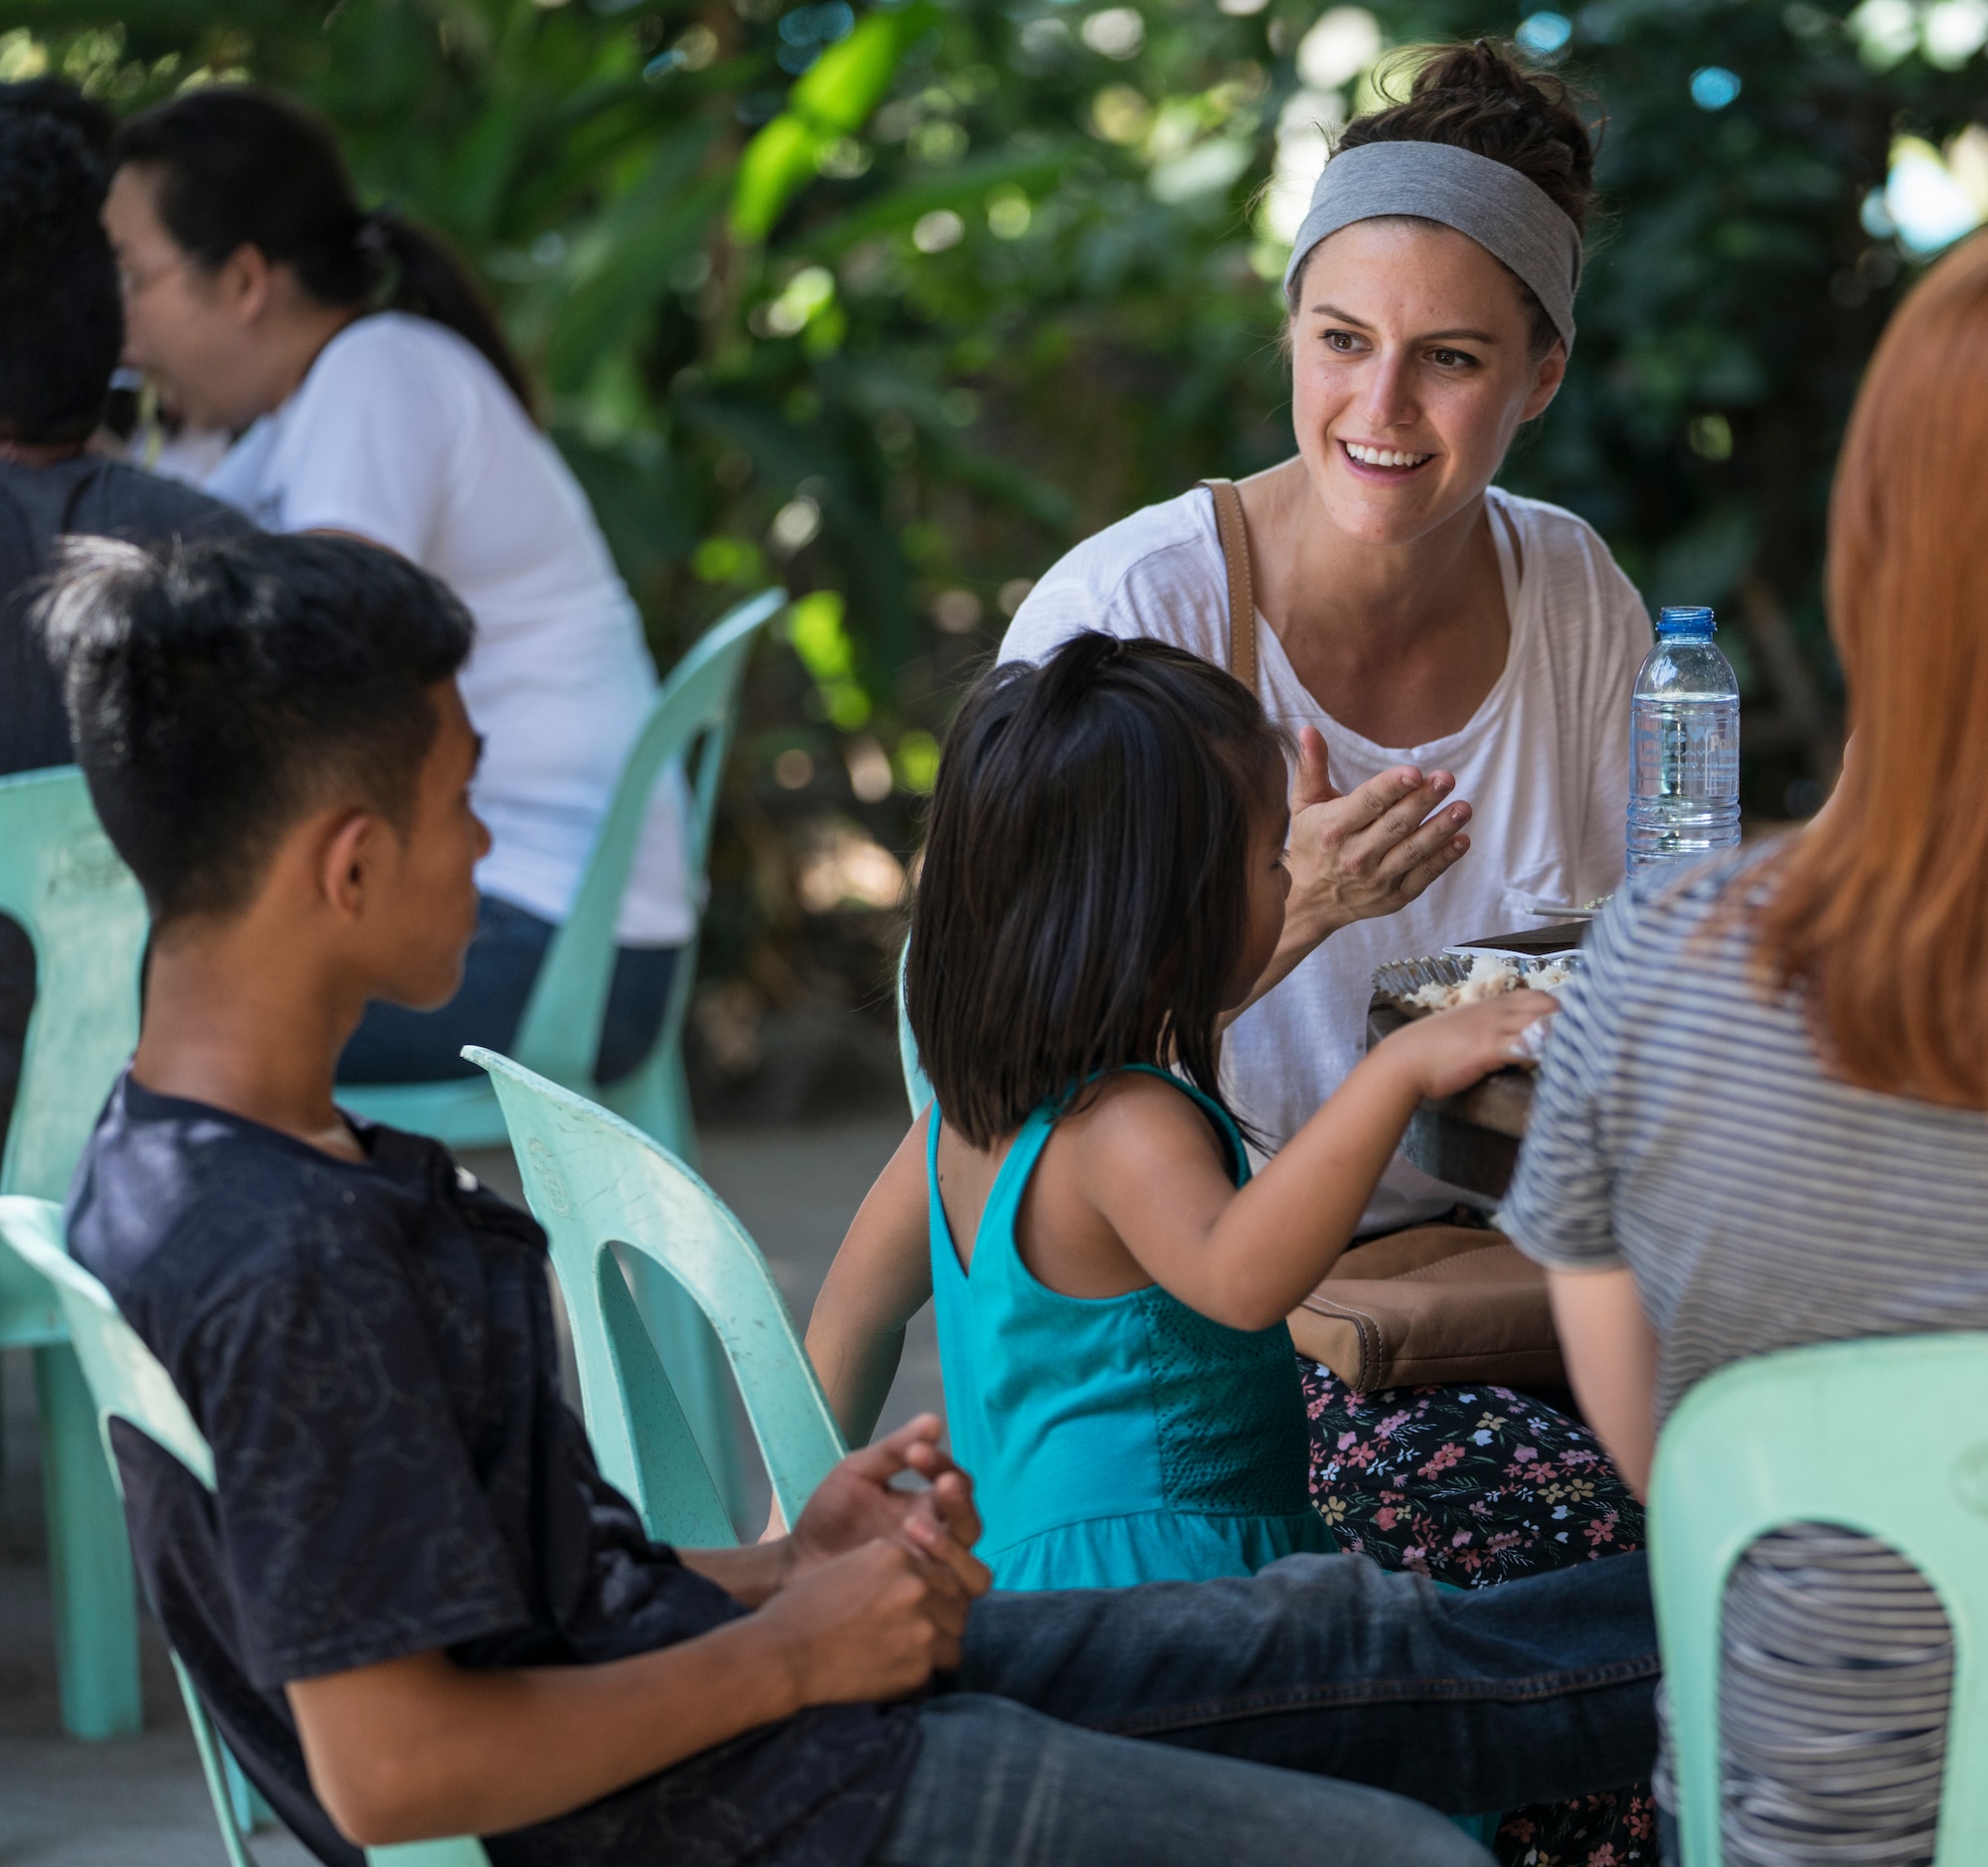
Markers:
(1760, 1120)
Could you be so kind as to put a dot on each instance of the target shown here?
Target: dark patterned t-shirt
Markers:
(368, 1350)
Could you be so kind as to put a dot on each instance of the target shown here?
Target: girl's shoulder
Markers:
(1142, 1107)
(1156, 573)
(1555, 530)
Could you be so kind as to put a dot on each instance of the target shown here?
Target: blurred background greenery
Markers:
(894, 305)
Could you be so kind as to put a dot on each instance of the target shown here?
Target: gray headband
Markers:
(1512, 218)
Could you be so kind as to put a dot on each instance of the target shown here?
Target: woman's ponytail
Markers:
(424, 277)
(238, 166)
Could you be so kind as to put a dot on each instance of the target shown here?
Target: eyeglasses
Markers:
(133, 284)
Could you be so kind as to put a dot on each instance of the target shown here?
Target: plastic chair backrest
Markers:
(1814, 1436)
(560, 1031)
(127, 1383)
(596, 1181)
(917, 1091)
(86, 915)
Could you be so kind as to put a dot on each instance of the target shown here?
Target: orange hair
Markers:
(1880, 909)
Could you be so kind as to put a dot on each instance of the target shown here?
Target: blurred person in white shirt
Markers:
(374, 395)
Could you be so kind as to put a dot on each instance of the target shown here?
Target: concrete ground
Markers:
(140, 1802)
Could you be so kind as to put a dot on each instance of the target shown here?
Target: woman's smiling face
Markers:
(1412, 366)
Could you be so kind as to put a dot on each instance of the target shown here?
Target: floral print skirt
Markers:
(1476, 1485)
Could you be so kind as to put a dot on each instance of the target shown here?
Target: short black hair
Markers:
(218, 691)
(62, 321)
(1083, 899)
(47, 95)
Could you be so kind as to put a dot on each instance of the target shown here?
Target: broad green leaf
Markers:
(849, 81)
(963, 187)
(777, 163)
(834, 98)
(620, 266)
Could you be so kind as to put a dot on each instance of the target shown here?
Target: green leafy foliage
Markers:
(831, 102)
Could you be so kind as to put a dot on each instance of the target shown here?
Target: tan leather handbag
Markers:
(1435, 1304)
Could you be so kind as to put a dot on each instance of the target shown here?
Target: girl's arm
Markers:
(1248, 1259)
(1612, 1363)
(880, 1278)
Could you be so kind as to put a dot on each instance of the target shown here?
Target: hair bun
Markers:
(1480, 97)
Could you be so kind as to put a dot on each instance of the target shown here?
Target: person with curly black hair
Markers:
(62, 327)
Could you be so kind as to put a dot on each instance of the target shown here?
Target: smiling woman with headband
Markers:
(1431, 637)
(1456, 663)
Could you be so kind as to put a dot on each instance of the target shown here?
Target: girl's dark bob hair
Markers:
(1084, 901)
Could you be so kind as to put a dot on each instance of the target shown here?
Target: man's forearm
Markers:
(752, 1573)
(449, 1751)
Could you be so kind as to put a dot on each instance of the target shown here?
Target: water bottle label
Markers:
(1685, 751)
(1684, 780)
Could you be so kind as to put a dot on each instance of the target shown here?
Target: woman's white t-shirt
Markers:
(403, 433)
(1543, 763)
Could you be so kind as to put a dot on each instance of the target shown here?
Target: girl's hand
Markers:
(1449, 1050)
(857, 1502)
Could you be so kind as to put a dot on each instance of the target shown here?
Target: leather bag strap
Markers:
(1241, 586)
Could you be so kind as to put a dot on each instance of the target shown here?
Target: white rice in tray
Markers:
(1490, 977)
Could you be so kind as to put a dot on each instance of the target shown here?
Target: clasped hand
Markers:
(878, 1580)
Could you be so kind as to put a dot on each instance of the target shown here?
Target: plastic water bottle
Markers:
(1683, 746)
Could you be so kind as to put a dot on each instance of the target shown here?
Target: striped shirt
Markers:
(1684, 1128)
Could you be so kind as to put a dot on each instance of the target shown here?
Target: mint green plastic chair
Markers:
(596, 1181)
(85, 916)
(125, 1382)
(559, 1034)
(1807, 1436)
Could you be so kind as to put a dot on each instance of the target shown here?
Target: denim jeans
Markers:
(1378, 1685)
(395, 1045)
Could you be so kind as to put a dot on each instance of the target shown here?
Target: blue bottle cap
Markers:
(1692, 620)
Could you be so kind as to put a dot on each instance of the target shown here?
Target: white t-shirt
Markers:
(403, 433)
(1543, 763)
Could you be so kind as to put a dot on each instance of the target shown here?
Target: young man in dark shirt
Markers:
(413, 1605)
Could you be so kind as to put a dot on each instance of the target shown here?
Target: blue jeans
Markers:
(1395, 1698)
(395, 1045)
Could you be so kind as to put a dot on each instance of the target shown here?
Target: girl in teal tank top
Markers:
(1103, 887)
(1114, 1439)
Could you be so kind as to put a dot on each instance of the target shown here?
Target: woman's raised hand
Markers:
(1370, 852)
(1357, 857)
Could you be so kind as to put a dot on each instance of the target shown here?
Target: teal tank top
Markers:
(1113, 1439)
